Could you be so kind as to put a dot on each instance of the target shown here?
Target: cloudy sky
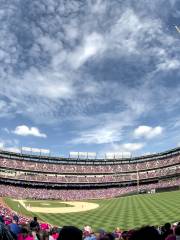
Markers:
(90, 76)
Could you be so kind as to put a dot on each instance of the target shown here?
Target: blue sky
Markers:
(90, 76)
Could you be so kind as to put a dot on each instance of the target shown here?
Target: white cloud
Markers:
(5, 108)
(93, 44)
(1, 144)
(169, 64)
(24, 130)
(132, 146)
(50, 85)
(60, 83)
(126, 147)
(104, 128)
(9, 145)
(132, 33)
(98, 136)
(12, 149)
(147, 131)
(2, 105)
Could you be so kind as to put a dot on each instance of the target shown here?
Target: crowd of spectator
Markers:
(16, 227)
(61, 173)
(59, 178)
(80, 169)
(43, 193)
(7, 215)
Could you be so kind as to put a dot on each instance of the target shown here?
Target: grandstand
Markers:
(45, 177)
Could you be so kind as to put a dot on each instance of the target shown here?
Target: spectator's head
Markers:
(117, 229)
(167, 226)
(70, 233)
(16, 218)
(124, 235)
(24, 232)
(35, 219)
(146, 233)
(108, 236)
(88, 229)
(101, 232)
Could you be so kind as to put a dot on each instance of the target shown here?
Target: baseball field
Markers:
(124, 212)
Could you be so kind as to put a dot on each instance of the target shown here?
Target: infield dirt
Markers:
(75, 207)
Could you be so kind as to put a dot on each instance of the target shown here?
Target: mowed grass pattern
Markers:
(125, 212)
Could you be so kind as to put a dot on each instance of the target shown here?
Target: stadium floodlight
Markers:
(118, 155)
(83, 154)
(126, 154)
(73, 154)
(91, 155)
(36, 150)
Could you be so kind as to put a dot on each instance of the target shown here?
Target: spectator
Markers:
(4, 233)
(101, 233)
(89, 235)
(53, 234)
(70, 233)
(14, 228)
(124, 235)
(34, 224)
(25, 235)
(176, 236)
(166, 230)
(1, 219)
(107, 236)
(145, 233)
(117, 233)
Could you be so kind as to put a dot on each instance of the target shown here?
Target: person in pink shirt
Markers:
(44, 226)
(29, 237)
(7, 221)
(176, 235)
(25, 235)
(53, 235)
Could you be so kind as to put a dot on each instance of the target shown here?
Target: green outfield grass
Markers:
(125, 212)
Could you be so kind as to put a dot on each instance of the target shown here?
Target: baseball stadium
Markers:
(89, 119)
(101, 193)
